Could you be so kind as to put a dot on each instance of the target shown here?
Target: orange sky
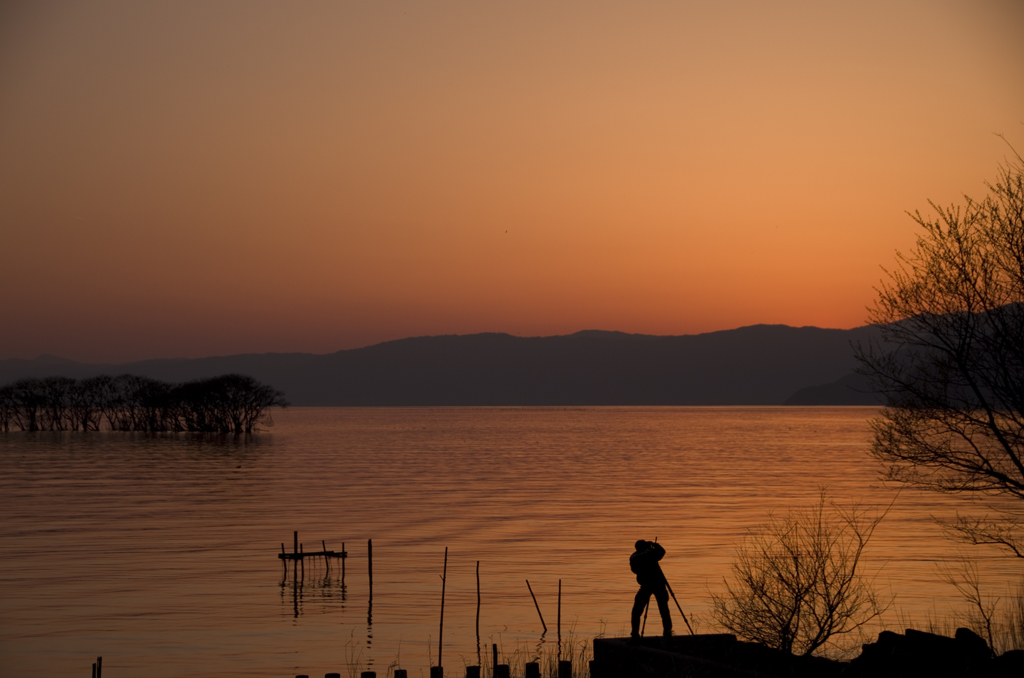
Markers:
(202, 178)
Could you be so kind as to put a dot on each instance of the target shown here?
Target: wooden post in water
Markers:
(537, 606)
(564, 669)
(559, 623)
(532, 670)
(440, 633)
(295, 581)
(327, 561)
(400, 673)
(343, 565)
(295, 551)
(369, 557)
(472, 672)
(302, 561)
(99, 667)
(494, 659)
(478, 610)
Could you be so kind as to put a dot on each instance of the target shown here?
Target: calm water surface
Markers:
(159, 552)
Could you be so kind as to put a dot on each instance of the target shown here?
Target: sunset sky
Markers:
(183, 179)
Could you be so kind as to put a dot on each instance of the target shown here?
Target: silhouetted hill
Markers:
(850, 390)
(756, 365)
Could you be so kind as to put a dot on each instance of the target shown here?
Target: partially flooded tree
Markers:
(29, 404)
(56, 410)
(796, 582)
(87, 400)
(231, 403)
(7, 407)
(246, 402)
(950, 362)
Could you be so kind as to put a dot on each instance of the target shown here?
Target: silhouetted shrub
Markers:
(796, 581)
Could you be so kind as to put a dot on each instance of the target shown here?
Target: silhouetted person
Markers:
(644, 564)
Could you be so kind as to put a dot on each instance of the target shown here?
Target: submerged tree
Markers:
(796, 581)
(29, 404)
(950, 362)
(230, 403)
(7, 407)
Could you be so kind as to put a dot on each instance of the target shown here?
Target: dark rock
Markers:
(914, 654)
(1009, 663)
(704, 656)
(972, 645)
(918, 653)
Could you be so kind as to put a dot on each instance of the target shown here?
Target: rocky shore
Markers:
(913, 654)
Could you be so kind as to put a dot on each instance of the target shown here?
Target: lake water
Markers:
(159, 553)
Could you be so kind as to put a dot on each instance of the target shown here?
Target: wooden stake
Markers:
(440, 633)
(559, 623)
(478, 609)
(369, 555)
(537, 606)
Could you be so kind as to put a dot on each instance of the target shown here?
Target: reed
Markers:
(353, 656)
(578, 649)
(997, 619)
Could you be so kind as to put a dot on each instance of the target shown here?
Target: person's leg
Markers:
(661, 595)
(639, 603)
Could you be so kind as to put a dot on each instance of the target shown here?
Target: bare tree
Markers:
(56, 409)
(231, 403)
(87, 401)
(796, 582)
(8, 404)
(29, 404)
(950, 362)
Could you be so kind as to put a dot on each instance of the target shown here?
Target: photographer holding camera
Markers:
(644, 564)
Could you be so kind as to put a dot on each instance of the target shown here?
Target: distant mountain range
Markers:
(756, 365)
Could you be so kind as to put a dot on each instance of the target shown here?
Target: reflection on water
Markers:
(160, 552)
(324, 593)
(539, 649)
(320, 582)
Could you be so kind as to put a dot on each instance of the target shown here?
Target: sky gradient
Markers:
(182, 179)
